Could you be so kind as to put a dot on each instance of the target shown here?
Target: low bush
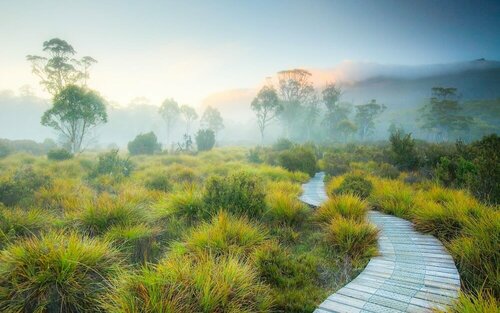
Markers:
(158, 182)
(144, 144)
(184, 284)
(334, 163)
(298, 159)
(346, 205)
(356, 241)
(112, 164)
(355, 184)
(285, 209)
(59, 155)
(22, 185)
(386, 170)
(240, 193)
(205, 139)
(225, 235)
(56, 273)
(404, 151)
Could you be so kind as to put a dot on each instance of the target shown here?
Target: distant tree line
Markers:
(77, 110)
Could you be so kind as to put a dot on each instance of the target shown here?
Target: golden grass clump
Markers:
(56, 272)
(136, 241)
(393, 197)
(345, 205)
(285, 209)
(186, 203)
(226, 234)
(185, 284)
(357, 241)
(105, 212)
(479, 302)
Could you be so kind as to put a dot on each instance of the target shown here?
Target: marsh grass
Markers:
(393, 197)
(56, 272)
(479, 302)
(138, 242)
(184, 284)
(352, 239)
(105, 212)
(285, 209)
(226, 234)
(346, 205)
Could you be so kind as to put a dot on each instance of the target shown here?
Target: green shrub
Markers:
(335, 163)
(225, 235)
(205, 139)
(240, 193)
(21, 186)
(144, 144)
(455, 172)
(59, 155)
(298, 159)
(404, 151)
(357, 241)
(159, 182)
(282, 144)
(356, 185)
(386, 170)
(5, 149)
(486, 153)
(112, 164)
(285, 209)
(183, 284)
(56, 273)
(346, 205)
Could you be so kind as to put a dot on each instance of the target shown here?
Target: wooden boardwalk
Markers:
(413, 272)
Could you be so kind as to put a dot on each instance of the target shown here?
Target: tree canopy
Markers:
(267, 107)
(169, 111)
(212, 119)
(74, 113)
(365, 116)
(442, 115)
(59, 68)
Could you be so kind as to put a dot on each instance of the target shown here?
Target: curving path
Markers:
(413, 272)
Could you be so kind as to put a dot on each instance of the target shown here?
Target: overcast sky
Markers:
(191, 49)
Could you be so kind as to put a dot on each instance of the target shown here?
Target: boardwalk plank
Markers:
(413, 273)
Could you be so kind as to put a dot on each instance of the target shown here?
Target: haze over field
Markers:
(220, 54)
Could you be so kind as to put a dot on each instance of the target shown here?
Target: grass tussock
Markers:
(105, 212)
(56, 273)
(226, 234)
(285, 209)
(346, 205)
(357, 241)
(184, 284)
(392, 197)
(481, 302)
